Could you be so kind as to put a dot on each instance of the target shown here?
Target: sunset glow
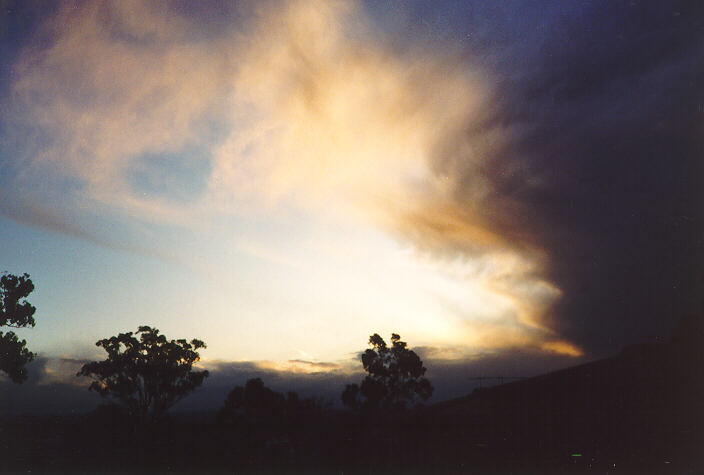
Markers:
(286, 165)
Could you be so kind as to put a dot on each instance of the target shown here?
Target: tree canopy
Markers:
(15, 312)
(145, 372)
(394, 380)
(257, 404)
(253, 401)
(266, 424)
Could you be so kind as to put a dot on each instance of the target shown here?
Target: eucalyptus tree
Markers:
(145, 372)
(15, 312)
(395, 378)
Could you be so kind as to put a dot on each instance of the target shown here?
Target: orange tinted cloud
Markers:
(320, 114)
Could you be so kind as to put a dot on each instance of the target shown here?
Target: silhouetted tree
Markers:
(395, 377)
(15, 312)
(253, 403)
(147, 375)
(266, 425)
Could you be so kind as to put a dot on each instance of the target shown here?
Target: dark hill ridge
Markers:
(645, 405)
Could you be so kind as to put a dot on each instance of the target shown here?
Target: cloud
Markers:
(324, 110)
(315, 364)
(103, 85)
(552, 170)
(300, 99)
(320, 380)
(450, 370)
(53, 388)
(458, 376)
(303, 105)
(597, 162)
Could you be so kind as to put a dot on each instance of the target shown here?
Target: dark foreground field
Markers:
(336, 443)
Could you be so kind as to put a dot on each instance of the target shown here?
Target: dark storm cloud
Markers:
(600, 109)
(47, 393)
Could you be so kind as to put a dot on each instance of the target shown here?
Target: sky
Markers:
(510, 186)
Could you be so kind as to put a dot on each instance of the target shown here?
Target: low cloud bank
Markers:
(53, 388)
